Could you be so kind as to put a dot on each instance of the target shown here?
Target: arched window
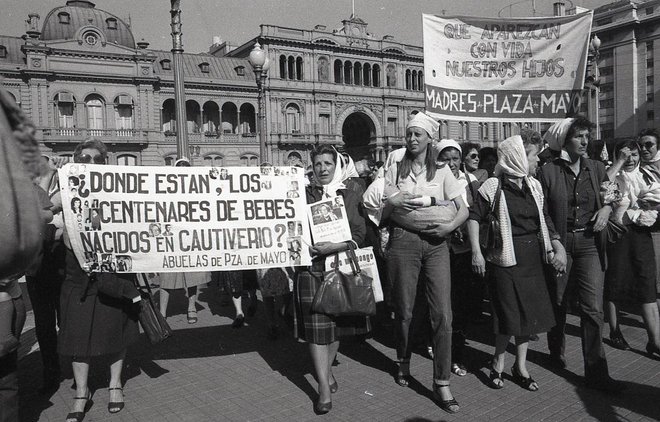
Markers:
(65, 106)
(169, 160)
(126, 160)
(348, 72)
(193, 116)
(249, 160)
(366, 75)
(94, 107)
(339, 71)
(282, 67)
(357, 74)
(444, 129)
(3, 51)
(124, 115)
(483, 131)
(291, 67)
(214, 160)
(111, 23)
(414, 80)
(168, 116)
(229, 116)
(408, 79)
(64, 18)
(506, 130)
(292, 115)
(465, 130)
(420, 80)
(299, 68)
(375, 76)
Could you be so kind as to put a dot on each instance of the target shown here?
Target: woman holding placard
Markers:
(321, 331)
(425, 205)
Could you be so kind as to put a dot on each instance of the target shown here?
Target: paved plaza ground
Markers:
(211, 372)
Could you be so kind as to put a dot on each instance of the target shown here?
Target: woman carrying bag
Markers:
(321, 331)
(519, 295)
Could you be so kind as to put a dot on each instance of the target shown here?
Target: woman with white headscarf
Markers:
(421, 246)
(630, 275)
(519, 296)
(321, 331)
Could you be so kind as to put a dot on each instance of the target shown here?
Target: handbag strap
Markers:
(352, 257)
(496, 199)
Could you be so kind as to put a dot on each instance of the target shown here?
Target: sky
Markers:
(237, 21)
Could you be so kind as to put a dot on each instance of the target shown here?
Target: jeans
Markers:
(9, 387)
(409, 255)
(586, 280)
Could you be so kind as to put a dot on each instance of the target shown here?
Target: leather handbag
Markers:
(612, 233)
(490, 235)
(152, 321)
(343, 294)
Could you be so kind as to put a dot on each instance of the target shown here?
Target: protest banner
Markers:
(505, 69)
(329, 221)
(180, 219)
(367, 261)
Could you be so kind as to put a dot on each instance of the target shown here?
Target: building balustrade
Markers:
(80, 134)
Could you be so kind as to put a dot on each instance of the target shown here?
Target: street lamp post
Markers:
(179, 92)
(595, 45)
(260, 65)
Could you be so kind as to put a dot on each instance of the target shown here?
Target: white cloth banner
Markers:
(367, 261)
(180, 219)
(506, 69)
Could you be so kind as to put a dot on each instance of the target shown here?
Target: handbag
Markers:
(490, 235)
(152, 321)
(612, 233)
(343, 294)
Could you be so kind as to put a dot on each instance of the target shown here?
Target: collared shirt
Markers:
(580, 195)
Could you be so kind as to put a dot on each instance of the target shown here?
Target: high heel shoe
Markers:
(116, 406)
(527, 383)
(618, 342)
(79, 416)
(653, 351)
(322, 408)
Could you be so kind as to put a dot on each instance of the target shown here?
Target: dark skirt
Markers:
(320, 328)
(92, 323)
(631, 273)
(519, 295)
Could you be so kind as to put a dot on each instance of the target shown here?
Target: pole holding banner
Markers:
(179, 90)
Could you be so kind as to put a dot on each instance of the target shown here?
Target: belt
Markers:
(582, 229)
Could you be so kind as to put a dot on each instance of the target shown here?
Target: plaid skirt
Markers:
(320, 328)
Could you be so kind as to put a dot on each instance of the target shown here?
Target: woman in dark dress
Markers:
(519, 296)
(323, 332)
(98, 315)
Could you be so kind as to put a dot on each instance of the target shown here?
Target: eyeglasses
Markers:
(87, 159)
(473, 156)
(647, 145)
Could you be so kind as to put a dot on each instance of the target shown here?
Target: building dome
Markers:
(65, 22)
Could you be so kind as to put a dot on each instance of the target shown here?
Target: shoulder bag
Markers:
(490, 236)
(152, 321)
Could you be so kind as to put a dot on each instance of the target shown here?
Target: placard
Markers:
(329, 221)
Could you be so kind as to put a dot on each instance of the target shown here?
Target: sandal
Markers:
(79, 416)
(449, 405)
(192, 317)
(527, 383)
(458, 369)
(403, 377)
(334, 386)
(494, 378)
(116, 406)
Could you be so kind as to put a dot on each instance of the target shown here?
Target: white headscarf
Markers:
(425, 122)
(330, 190)
(512, 158)
(556, 134)
(349, 169)
(448, 143)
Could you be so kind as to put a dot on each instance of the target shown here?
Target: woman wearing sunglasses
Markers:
(98, 316)
(471, 162)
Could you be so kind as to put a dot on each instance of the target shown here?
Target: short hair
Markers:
(324, 149)
(630, 143)
(580, 123)
(487, 152)
(469, 146)
(91, 144)
(650, 132)
(531, 137)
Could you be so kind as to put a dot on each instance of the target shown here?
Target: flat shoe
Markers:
(238, 322)
(526, 383)
(322, 408)
(116, 406)
(334, 387)
(402, 379)
(494, 376)
(449, 405)
(192, 317)
(618, 341)
(458, 370)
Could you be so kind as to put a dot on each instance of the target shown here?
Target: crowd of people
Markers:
(538, 227)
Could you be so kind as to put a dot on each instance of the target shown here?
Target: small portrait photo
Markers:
(91, 257)
(74, 182)
(95, 217)
(214, 173)
(74, 191)
(168, 230)
(294, 245)
(339, 202)
(294, 170)
(291, 228)
(73, 169)
(292, 194)
(224, 174)
(79, 218)
(76, 206)
(294, 257)
(154, 230)
(88, 224)
(293, 185)
(124, 263)
(266, 185)
(81, 227)
(323, 213)
(266, 170)
(276, 171)
(299, 228)
(95, 203)
(86, 204)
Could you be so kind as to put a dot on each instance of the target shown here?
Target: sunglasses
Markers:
(473, 156)
(87, 159)
(648, 145)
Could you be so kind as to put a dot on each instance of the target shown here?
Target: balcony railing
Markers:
(213, 138)
(80, 134)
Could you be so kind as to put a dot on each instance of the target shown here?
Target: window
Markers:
(604, 21)
(483, 131)
(65, 114)
(392, 126)
(112, 23)
(606, 70)
(169, 160)
(166, 64)
(650, 98)
(375, 76)
(408, 79)
(606, 103)
(299, 68)
(292, 120)
(204, 67)
(124, 114)
(649, 10)
(64, 17)
(324, 124)
(649, 80)
(348, 72)
(283, 67)
(420, 80)
(650, 115)
(91, 38)
(506, 130)
(339, 71)
(444, 129)
(3, 51)
(291, 67)
(126, 160)
(214, 160)
(465, 129)
(94, 109)
(249, 160)
(240, 70)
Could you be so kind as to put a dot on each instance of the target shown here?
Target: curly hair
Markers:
(92, 144)
(580, 123)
